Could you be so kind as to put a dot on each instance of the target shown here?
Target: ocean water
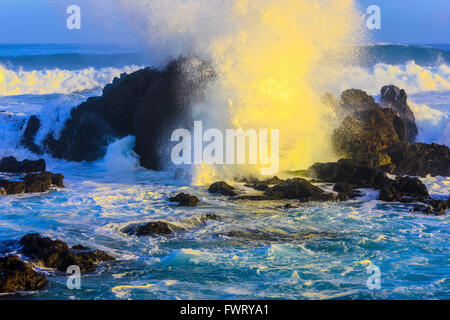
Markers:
(317, 251)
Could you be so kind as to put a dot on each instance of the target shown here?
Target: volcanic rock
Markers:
(57, 255)
(185, 200)
(222, 188)
(18, 276)
(148, 104)
(11, 165)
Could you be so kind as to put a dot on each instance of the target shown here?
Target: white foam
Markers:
(57, 80)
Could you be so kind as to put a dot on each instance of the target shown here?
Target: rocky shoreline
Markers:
(373, 139)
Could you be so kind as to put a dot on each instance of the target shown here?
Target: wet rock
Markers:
(222, 188)
(420, 159)
(11, 165)
(3, 192)
(38, 182)
(255, 235)
(353, 172)
(396, 98)
(433, 207)
(299, 189)
(404, 189)
(57, 255)
(262, 185)
(202, 220)
(58, 180)
(151, 229)
(12, 187)
(413, 187)
(148, 104)
(32, 183)
(346, 191)
(185, 200)
(33, 126)
(18, 276)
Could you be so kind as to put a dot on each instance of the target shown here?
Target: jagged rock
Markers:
(11, 165)
(420, 159)
(33, 182)
(17, 276)
(33, 126)
(151, 229)
(12, 187)
(405, 189)
(255, 235)
(57, 255)
(148, 104)
(396, 98)
(367, 132)
(433, 207)
(262, 185)
(299, 189)
(185, 200)
(356, 173)
(158, 228)
(222, 188)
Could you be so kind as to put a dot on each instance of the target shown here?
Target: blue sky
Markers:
(44, 21)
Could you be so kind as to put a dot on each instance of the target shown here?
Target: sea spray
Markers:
(267, 54)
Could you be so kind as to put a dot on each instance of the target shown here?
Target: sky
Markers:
(44, 21)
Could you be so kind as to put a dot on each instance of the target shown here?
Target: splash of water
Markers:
(268, 55)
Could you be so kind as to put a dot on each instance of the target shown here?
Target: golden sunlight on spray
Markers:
(268, 55)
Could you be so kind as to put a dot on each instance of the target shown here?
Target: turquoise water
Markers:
(410, 249)
(317, 251)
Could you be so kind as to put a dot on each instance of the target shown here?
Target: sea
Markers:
(316, 251)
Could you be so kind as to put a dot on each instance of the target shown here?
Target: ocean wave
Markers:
(433, 124)
(411, 76)
(57, 80)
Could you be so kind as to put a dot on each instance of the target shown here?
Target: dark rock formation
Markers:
(255, 235)
(33, 126)
(33, 182)
(262, 185)
(57, 255)
(148, 104)
(163, 228)
(185, 200)
(222, 188)
(380, 136)
(18, 276)
(367, 132)
(12, 187)
(11, 165)
(151, 229)
(356, 173)
(346, 191)
(420, 159)
(396, 98)
(298, 189)
(433, 207)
